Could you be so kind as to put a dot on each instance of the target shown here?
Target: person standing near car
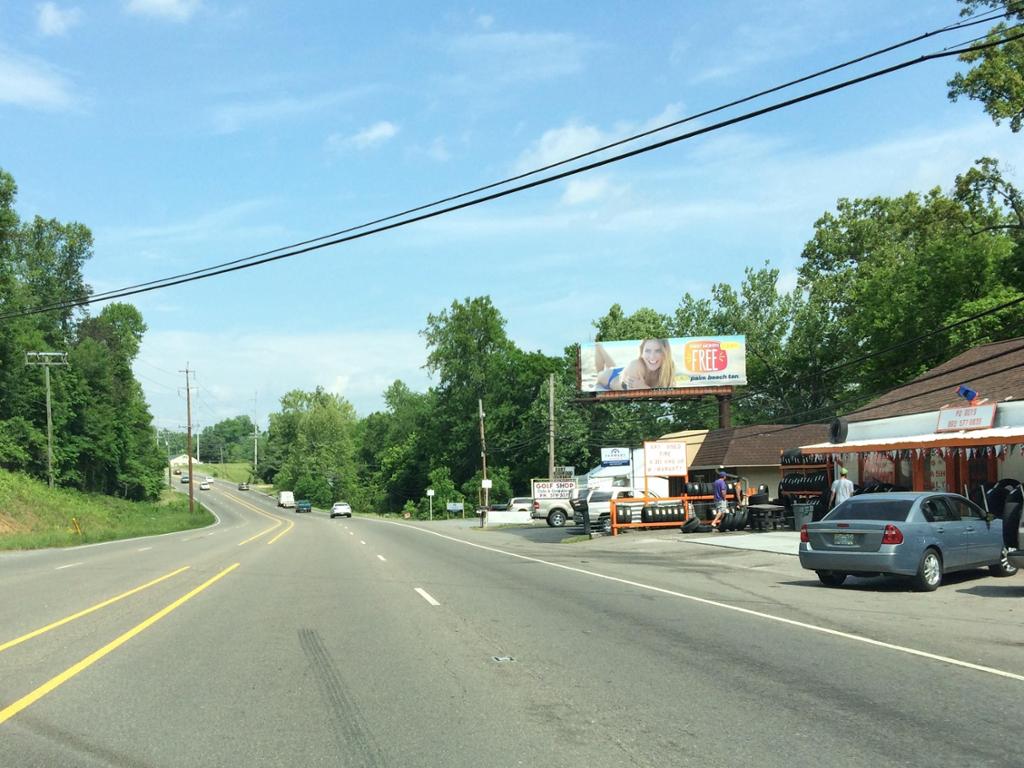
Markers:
(721, 503)
(842, 489)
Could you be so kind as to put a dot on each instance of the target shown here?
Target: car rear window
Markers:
(872, 509)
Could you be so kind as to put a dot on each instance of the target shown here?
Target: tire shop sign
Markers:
(970, 417)
(665, 459)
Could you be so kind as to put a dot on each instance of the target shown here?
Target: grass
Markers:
(33, 516)
(237, 472)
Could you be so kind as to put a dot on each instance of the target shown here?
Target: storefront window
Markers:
(881, 468)
(935, 473)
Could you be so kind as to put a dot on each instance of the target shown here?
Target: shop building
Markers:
(750, 452)
(957, 426)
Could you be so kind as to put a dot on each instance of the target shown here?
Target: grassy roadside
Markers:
(33, 516)
(237, 472)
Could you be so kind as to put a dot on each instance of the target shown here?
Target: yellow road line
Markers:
(291, 524)
(11, 710)
(87, 611)
(277, 521)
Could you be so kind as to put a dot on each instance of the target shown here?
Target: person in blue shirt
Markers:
(721, 503)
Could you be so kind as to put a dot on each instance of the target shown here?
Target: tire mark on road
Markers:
(356, 745)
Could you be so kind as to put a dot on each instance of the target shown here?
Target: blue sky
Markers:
(190, 132)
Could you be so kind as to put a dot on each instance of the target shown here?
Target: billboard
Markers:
(644, 364)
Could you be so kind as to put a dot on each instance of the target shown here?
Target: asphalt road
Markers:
(296, 640)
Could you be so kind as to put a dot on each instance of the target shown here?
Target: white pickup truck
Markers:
(554, 511)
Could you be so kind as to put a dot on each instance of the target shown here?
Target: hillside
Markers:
(33, 515)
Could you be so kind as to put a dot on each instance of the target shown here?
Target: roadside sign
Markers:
(486, 483)
(553, 489)
(968, 417)
(615, 457)
(454, 506)
(665, 459)
(564, 473)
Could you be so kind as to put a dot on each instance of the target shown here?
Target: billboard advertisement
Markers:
(643, 364)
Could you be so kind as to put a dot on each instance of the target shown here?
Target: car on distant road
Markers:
(303, 505)
(184, 478)
(177, 471)
(922, 535)
(204, 486)
(341, 509)
(520, 504)
(285, 499)
(243, 486)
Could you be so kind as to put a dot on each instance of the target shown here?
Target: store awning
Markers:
(970, 438)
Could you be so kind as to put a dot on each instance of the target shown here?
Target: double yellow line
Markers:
(277, 521)
(12, 709)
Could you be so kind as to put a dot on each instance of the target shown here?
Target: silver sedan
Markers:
(923, 535)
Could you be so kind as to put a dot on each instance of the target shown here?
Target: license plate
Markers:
(844, 539)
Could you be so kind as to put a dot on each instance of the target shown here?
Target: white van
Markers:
(285, 499)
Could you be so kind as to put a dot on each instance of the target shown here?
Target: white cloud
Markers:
(485, 21)
(587, 189)
(56, 21)
(31, 83)
(174, 10)
(234, 117)
(558, 144)
(359, 365)
(575, 138)
(370, 137)
(438, 150)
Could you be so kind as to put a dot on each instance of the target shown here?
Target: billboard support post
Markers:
(724, 414)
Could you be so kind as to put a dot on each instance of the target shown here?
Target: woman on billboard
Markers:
(653, 369)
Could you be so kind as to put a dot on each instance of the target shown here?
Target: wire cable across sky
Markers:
(388, 223)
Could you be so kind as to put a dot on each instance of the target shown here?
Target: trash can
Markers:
(802, 513)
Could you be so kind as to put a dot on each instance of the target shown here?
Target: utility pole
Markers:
(46, 359)
(188, 442)
(551, 427)
(197, 443)
(483, 455)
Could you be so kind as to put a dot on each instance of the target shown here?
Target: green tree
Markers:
(997, 77)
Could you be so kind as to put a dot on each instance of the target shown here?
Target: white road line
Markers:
(381, 558)
(69, 565)
(426, 596)
(143, 549)
(716, 604)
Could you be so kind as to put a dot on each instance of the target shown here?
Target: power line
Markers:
(329, 240)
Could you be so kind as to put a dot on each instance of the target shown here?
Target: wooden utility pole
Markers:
(46, 359)
(188, 441)
(551, 427)
(483, 456)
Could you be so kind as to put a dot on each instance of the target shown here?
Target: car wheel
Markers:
(1004, 567)
(606, 524)
(556, 519)
(929, 572)
(831, 578)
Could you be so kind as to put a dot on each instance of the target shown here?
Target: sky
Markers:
(185, 133)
